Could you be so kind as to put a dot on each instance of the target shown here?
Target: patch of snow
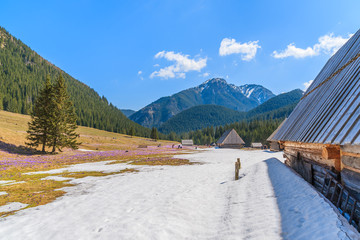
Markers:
(56, 178)
(3, 193)
(269, 201)
(13, 206)
(9, 182)
(249, 92)
(5, 182)
(85, 150)
(206, 82)
(102, 166)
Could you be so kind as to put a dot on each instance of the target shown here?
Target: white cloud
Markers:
(205, 74)
(292, 51)
(182, 65)
(140, 75)
(247, 50)
(307, 84)
(157, 65)
(328, 44)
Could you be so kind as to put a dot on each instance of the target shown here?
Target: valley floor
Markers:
(199, 201)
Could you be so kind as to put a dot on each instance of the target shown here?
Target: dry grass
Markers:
(33, 193)
(153, 161)
(13, 128)
(95, 173)
(129, 170)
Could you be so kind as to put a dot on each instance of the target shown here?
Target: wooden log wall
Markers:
(274, 146)
(350, 163)
(333, 171)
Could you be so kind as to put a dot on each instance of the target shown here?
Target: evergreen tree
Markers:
(63, 118)
(132, 131)
(154, 134)
(172, 136)
(40, 124)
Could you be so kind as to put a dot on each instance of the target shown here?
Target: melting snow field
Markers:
(187, 202)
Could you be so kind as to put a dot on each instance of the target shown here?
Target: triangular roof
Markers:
(329, 112)
(230, 137)
(270, 138)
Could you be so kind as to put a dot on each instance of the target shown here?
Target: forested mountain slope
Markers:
(23, 73)
(127, 112)
(276, 103)
(199, 117)
(212, 115)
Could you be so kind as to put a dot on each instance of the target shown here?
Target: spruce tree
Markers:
(40, 124)
(154, 134)
(132, 131)
(64, 118)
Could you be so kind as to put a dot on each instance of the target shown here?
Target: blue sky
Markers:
(134, 52)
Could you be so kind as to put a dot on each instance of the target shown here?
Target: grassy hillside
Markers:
(23, 73)
(13, 128)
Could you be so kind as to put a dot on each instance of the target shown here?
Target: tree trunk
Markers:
(54, 147)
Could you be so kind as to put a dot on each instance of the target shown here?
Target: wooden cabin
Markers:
(230, 139)
(257, 145)
(274, 145)
(321, 137)
(187, 142)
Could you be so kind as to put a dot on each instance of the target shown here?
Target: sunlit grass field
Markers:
(13, 128)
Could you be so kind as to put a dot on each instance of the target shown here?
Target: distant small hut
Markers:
(187, 142)
(321, 137)
(256, 145)
(230, 139)
(274, 144)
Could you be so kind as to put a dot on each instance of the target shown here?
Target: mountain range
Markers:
(203, 116)
(214, 91)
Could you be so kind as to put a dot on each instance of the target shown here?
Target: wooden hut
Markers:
(321, 137)
(256, 145)
(274, 145)
(187, 142)
(230, 139)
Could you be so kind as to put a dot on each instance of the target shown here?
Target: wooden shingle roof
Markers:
(329, 112)
(271, 137)
(230, 137)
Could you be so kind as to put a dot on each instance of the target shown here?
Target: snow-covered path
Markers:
(187, 202)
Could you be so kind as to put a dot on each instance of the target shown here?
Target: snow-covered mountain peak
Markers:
(250, 91)
(214, 80)
(257, 92)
